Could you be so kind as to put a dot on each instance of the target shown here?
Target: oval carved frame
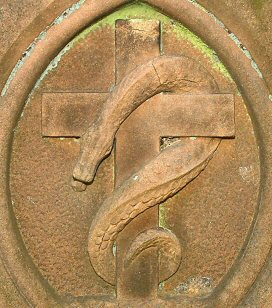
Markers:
(253, 255)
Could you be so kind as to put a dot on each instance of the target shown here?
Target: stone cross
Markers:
(140, 137)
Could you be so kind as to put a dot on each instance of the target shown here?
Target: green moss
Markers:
(163, 216)
(257, 4)
(143, 11)
(184, 33)
(139, 10)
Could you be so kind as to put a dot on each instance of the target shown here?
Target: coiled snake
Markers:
(160, 179)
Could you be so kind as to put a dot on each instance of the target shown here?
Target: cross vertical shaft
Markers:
(137, 41)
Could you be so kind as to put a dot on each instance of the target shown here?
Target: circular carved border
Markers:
(256, 249)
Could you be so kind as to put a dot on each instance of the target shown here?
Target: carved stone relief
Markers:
(135, 161)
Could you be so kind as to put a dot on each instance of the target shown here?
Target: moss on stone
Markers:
(257, 4)
(163, 216)
(141, 10)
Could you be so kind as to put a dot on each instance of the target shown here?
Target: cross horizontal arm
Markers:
(70, 114)
(208, 115)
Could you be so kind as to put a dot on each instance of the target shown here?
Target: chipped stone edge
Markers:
(232, 36)
(64, 15)
(77, 6)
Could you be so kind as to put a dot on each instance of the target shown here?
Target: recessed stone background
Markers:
(250, 20)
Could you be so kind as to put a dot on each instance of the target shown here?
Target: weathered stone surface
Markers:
(221, 218)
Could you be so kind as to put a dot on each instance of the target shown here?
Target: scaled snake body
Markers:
(165, 175)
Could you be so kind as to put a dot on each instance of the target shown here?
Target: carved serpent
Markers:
(161, 178)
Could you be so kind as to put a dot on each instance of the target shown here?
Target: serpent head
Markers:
(95, 146)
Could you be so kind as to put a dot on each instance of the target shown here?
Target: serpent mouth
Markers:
(82, 177)
(83, 173)
(88, 163)
(95, 146)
